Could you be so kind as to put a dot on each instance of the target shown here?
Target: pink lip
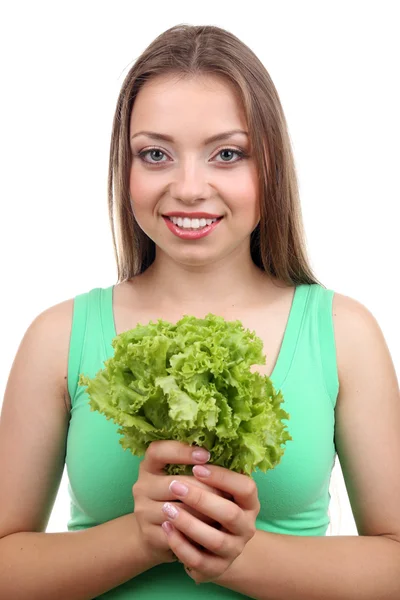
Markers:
(193, 215)
(193, 234)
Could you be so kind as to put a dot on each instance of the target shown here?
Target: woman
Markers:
(205, 215)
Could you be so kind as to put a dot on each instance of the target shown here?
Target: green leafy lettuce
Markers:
(191, 381)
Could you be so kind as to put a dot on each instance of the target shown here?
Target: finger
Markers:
(196, 513)
(191, 557)
(165, 452)
(153, 511)
(227, 513)
(216, 541)
(157, 487)
(241, 487)
(193, 481)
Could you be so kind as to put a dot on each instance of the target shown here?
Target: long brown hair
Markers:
(278, 243)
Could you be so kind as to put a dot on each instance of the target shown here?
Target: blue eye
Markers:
(231, 151)
(157, 154)
(153, 150)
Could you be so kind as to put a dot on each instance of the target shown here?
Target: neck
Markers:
(232, 282)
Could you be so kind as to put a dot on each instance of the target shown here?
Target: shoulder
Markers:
(50, 332)
(360, 343)
(54, 321)
(350, 315)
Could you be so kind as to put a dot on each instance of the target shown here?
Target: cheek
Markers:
(244, 194)
(137, 184)
(143, 190)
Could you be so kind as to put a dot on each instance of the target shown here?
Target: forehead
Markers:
(201, 98)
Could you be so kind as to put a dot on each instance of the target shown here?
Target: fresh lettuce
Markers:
(191, 381)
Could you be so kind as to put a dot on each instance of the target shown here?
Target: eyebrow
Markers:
(169, 138)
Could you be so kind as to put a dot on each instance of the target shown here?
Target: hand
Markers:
(151, 491)
(215, 550)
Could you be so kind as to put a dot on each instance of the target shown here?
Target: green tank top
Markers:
(294, 496)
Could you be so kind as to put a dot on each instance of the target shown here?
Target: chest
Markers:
(269, 322)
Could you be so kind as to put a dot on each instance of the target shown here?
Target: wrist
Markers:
(140, 547)
(150, 556)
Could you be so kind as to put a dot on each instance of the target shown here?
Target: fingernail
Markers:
(201, 471)
(177, 488)
(170, 510)
(167, 527)
(201, 455)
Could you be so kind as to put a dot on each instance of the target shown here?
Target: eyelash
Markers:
(241, 154)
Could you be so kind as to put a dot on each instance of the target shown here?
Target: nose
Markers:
(189, 183)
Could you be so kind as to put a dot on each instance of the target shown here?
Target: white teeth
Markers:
(187, 223)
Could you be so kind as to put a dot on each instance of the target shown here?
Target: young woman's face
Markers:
(188, 176)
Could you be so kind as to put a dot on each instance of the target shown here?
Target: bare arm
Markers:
(77, 565)
(285, 567)
(33, 430)
(279, 567)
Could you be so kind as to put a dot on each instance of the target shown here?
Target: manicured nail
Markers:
(201, 455)
(170, 510)
(167, 527)
(180, 489)
(201, 471)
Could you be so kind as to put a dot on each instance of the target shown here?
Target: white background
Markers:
(335, 65)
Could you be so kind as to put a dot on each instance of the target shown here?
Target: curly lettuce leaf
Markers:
(191, 381)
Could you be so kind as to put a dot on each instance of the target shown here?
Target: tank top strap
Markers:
(86, 335)
(326, 337)
(291, 336)
(107, 318)
(315, 350)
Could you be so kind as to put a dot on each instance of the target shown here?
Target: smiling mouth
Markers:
(192, 224)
